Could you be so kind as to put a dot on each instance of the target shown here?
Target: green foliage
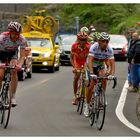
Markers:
(116, 18)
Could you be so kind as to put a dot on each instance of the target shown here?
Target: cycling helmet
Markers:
(92, 28)
(14, 27)
(82, 36)
(103, 36)
(84, 29)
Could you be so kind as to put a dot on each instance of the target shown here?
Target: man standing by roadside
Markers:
(130, 43)
(134, 59)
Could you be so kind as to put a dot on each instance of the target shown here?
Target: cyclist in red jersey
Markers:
(79, 53)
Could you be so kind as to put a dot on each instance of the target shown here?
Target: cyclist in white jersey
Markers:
(100, 62)
(10, 42)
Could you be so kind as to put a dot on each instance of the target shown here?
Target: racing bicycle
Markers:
(5, 97)
(98, 102)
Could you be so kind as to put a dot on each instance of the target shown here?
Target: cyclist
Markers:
(79, 53)
(91, 38)
(92, 30)
(84, 29)
(10, 42)
(101, 62)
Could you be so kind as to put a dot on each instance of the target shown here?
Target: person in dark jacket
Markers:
(130, 44)
(134, 59)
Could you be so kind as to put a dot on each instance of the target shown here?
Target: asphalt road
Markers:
(44, 108)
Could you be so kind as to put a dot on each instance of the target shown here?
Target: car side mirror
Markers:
(56, 43)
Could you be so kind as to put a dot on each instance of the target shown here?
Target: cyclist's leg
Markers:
(90, 89)
(14, 81)
(75, 86)
(1, 77)
(91, 86)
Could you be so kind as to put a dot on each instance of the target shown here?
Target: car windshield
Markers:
(69, 40)
(39, 42)
(117, 39)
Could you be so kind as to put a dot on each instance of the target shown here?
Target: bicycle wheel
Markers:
(81, 100)
(78, 98)
(6, 109)
(100, 109)
(92, 111)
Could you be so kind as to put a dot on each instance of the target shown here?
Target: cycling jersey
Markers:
(100, 56)
(80, 54)
(9, 48)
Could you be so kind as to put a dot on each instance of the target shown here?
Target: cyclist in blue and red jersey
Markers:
(79, 53)
(10, 42)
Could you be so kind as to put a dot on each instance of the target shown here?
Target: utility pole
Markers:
(77, 24)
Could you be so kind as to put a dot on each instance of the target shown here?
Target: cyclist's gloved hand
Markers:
(2, 65)
(19, 67)
(110, 77)
(93, 76)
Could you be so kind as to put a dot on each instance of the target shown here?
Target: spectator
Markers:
(130, 32)
(130, 44)
(134, 59)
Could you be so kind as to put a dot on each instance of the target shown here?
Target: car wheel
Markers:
(52, 69)
(57, 68)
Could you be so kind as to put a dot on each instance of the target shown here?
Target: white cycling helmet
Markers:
(103, 36)
(92, 28)
(84, 29)
(14, 27)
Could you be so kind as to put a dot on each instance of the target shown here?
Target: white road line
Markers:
(119, 109)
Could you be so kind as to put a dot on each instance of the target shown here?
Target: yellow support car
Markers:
(45, 52)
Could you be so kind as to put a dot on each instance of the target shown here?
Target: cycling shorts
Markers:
(8, 55)
(96, 71)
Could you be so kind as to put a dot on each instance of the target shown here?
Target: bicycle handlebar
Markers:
(110, 77)
(4, 66)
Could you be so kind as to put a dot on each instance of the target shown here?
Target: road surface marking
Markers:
(119, 109)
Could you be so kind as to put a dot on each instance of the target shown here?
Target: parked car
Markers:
(119, 44)
(65, 41)
(45, 52)
(26, 71)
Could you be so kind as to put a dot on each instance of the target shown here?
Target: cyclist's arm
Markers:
(72, 59)
(91, 59)
(111, 61)
(111, 65)
(23, 45)
(22, 57)
(90, 63)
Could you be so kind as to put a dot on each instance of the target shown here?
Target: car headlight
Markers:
(47, 54)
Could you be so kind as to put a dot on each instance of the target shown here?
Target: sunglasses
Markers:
(83, 40)
(104, 41)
